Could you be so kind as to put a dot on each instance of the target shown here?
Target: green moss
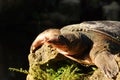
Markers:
(62, 70)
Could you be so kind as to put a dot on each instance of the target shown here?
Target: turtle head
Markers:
(61, 43)
(69, 43)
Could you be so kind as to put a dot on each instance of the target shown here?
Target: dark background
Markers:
(22, 20)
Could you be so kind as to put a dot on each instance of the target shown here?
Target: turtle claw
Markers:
(35, 45)
(32, 49)
(106, 62)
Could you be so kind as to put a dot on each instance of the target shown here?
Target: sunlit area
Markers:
(22, 20)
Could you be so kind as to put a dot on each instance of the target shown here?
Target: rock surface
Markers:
(42, 56)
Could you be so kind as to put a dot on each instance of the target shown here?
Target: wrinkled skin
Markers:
(98, 46)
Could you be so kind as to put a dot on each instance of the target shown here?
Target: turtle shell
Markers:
(110, 28)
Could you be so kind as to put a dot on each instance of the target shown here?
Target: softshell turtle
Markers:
(90, 42)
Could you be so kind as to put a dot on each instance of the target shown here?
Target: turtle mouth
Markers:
(59, 40)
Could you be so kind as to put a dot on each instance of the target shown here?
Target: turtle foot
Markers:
(106, 62)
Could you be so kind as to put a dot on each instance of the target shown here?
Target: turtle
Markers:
(88, 42)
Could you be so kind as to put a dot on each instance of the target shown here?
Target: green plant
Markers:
(66, 70)
(19, 70)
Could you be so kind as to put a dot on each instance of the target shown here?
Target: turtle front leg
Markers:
(45, 36)
(41, 38)
(106, 62)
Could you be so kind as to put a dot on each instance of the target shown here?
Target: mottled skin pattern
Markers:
(95, 41)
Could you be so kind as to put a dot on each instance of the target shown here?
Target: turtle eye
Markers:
(63, 40)
(61, 37)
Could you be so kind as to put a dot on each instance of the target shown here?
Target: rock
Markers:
(40, 57)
